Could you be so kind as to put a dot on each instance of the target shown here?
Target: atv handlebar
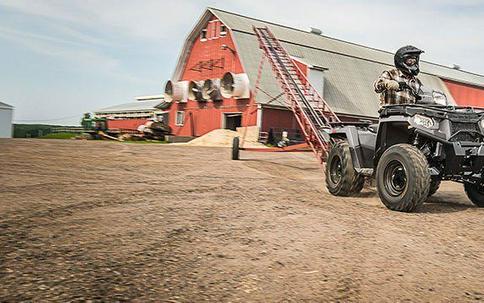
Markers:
(403, 85)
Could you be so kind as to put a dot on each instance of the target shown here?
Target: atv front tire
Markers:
(341, 177)
(402, 178)
(475, 193)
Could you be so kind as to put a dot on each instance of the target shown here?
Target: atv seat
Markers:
(373, 128)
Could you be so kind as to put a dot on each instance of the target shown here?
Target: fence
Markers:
(68, 129)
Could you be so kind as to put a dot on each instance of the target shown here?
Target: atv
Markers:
(410, 151)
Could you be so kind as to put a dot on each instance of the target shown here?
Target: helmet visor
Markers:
(410, 61)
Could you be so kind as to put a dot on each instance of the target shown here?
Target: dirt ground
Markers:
(106, 221)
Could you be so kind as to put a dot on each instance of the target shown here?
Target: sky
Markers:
(61, 58)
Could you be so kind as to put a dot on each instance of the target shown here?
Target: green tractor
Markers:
(94, 127)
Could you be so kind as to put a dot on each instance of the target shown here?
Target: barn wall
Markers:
(6, 123)
(127, 124)
(302, 66)
(283, 119)
(278, 118)
(466, 95)
(203, 117)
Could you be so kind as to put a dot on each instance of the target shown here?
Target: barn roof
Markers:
(5, 106)
(351, 68)
(137, 106)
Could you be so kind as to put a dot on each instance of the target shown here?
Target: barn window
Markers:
(223, 30)
(163, 117)
(316, 78)
(180, 118)
(203, 35)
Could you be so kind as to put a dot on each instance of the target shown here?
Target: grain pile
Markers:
(224, 138)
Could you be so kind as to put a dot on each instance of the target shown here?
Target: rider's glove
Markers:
(392, 85)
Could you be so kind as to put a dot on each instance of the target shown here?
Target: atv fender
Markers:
(350, 134)
(393, 131)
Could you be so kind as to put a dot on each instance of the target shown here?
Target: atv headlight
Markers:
(424, 121)
(439, 98)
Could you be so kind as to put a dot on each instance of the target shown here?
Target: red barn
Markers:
(127, 117)
(214, 83)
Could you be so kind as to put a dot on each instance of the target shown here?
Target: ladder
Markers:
(312, 113)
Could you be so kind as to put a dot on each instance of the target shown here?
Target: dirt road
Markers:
(103, 221)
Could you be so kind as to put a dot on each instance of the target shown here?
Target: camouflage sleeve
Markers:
(379, 84)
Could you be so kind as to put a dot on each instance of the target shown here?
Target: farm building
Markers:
(222, 50)
(6, 114)
(129, 116)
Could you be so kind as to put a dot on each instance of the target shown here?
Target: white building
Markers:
(6, 114)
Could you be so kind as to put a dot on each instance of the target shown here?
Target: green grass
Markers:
(59, 136)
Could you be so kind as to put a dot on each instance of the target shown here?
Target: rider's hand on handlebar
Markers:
(392, 85)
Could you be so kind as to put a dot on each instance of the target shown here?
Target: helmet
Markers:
(405, 53)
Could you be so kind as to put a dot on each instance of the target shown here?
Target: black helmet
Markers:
(403, 54)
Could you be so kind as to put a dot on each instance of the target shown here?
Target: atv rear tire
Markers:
(341, 177)
(402, 178)
(475, 193)
(434, 186)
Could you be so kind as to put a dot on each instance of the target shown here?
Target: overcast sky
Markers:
(61, 58)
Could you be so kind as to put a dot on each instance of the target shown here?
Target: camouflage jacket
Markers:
(396, 97)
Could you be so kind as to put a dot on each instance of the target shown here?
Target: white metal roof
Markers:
(306, 40)
(136, 106)
(5, 106)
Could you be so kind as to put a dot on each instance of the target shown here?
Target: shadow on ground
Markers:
(438, 206)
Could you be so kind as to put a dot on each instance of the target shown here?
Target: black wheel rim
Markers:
(395, 178)
(335, 170)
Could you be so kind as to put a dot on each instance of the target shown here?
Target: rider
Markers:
(397, 86)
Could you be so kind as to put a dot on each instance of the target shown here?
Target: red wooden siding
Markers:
(128, 124)
(466, 95)
(203, 117)
(278, 118)
(302, 66)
